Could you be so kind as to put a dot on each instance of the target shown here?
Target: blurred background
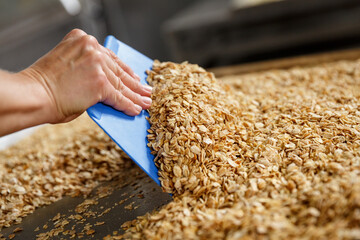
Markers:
(210, 33)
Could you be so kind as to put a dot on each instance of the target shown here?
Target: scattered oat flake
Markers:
(18, 229)
(90, 232)
(57, 217)
(130, 206)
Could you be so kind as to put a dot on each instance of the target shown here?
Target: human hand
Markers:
(79, 72)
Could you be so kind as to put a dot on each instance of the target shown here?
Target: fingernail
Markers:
(148, 88)
(146, 100)
(138, 108)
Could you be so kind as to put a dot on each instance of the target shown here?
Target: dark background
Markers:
(207, 32)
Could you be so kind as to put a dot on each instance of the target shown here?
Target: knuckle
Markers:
(75, 33)
(120, 72)
(120, 86)
(137, 85)
(138, 98)
(113, 55)
(119, 98)
(88, 40)
(95, 56)
(100, 78)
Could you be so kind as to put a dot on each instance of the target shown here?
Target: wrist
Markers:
(39, 95)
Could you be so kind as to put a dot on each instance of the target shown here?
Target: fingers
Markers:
(120, 63)
(120, 102)
(143, 101)
(114, 91)
(132, 83)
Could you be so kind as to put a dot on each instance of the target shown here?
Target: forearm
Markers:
(23, 103)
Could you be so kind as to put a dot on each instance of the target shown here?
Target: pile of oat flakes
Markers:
(271, 155)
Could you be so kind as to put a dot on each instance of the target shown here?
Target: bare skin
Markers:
(61, 85)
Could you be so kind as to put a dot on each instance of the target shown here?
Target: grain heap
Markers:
(272, 155)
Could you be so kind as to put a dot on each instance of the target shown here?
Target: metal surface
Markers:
(213, 33)
(152, 198)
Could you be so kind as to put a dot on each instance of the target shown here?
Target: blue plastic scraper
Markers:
(129, 133)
